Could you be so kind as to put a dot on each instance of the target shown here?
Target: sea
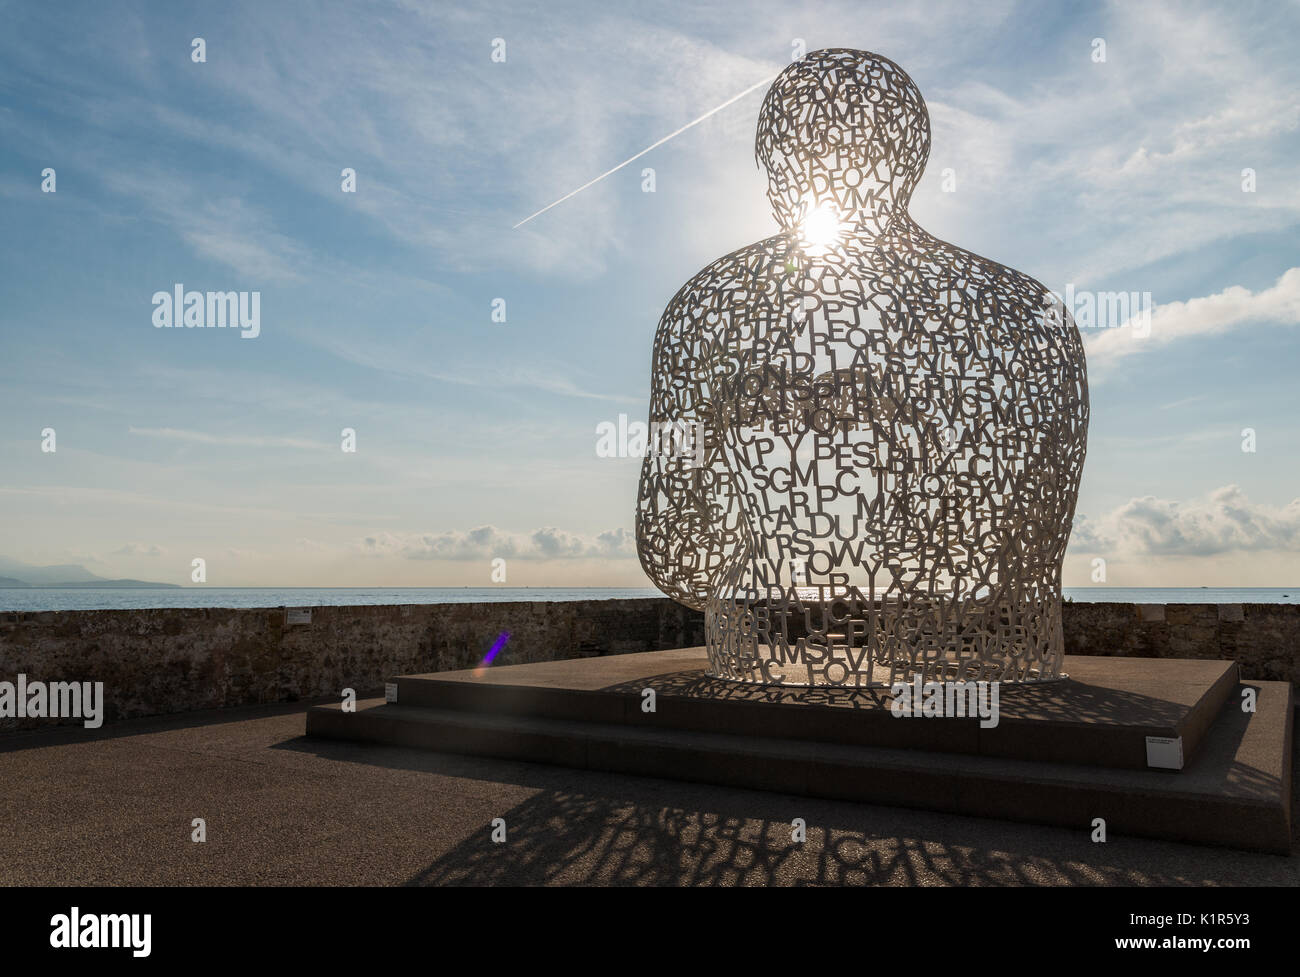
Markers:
(88, 599)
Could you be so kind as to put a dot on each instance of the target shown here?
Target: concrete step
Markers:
(1235, 792)
(1102, 715)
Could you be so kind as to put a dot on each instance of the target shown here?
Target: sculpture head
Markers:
(844, 136)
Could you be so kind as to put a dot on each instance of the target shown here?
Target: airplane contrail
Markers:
(602, 176)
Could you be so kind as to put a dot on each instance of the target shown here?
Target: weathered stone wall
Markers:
(176, 660)
(1263, 638)
(162, 661)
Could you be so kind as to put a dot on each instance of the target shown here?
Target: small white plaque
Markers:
(1165, 752)
(390, 695)
(294, 615)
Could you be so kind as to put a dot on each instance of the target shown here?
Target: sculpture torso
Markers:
(894, 433)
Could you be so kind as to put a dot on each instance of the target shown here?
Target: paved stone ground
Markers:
(114, 807)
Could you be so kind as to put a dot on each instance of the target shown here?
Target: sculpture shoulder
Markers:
(984, 282)
(723, 288)
(1013, 311)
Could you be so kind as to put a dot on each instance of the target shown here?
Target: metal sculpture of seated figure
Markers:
(892, 428)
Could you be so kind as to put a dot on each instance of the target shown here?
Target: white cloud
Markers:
(489, 542)
(243, 554)
(1225, 521)
(139, 549)
(1213, 314)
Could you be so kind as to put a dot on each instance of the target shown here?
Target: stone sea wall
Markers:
(1263, 638)
(177, 660)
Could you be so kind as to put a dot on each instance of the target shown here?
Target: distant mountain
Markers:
(101, 584)
(69, 572)
(15, 573)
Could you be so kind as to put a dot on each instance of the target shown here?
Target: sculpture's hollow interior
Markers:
(889, 430)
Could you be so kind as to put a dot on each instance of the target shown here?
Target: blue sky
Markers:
(477, 439)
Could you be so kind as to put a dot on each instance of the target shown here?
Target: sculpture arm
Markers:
(687, 520)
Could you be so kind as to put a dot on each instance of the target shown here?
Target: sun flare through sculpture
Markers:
(821, 229)
(890, 430)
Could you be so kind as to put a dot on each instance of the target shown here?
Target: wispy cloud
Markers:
(1115, 165)
(226, 230)
(139, 549)
(553, 378)
(117, 500)
(229, 440)
(1221, 312)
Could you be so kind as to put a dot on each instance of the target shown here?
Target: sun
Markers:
(821, 229)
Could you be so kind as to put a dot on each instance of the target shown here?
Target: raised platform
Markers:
(1062, 753)
(1100, 716)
